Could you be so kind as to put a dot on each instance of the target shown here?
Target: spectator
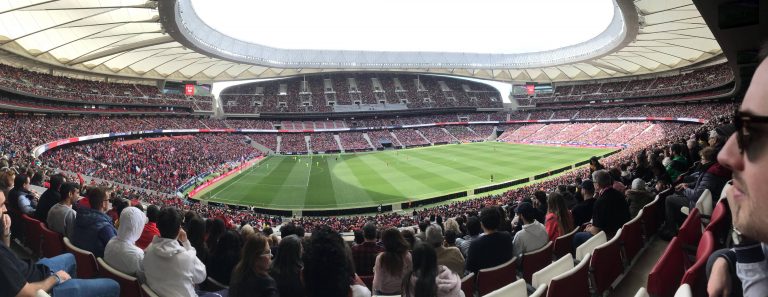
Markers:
(532, 236)
(678, 162)
(582, 212)
(150, 229)
(447, 256)
(365, 254)
(611, 209)
(251, 277)
(428, 277)
(7, 176)
(286, 267)
(540, 203)
(121, 251)
(491, 249)
(473, 232)
(61, 217)
(196, 234)
(328, 268)
(390, 264)
(52, 275)
(558, 220)
(450, 239)
(638, 196)
(595, 165)
(93, 227)
(170, 262)
(50, 197)
(21, 197)
(217, 229)
(223, 260)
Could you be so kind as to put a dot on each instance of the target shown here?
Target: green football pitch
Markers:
(351, 180)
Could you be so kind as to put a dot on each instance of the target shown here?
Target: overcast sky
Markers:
(481, 26)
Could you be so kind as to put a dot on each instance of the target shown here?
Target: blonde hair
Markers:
(451, 224)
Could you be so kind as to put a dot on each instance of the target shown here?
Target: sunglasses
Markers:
(743, 122)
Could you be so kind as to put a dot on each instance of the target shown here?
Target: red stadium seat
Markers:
(563, 245)
(33, 235)
(696, 276)
(468, 284)
(86, 261)
(690, 231)
(720, 223)
(650, 218)
(535, 261)
(575, 282)
(129, 285)
(53, 242)
(631, 238)
(491, 279)
(606, 265)
(665, 276)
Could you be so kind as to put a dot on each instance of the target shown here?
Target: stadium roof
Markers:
(168, 40)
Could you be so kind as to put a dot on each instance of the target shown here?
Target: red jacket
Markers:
(149, 232)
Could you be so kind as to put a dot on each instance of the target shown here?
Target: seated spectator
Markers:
(286, 267)
(221, 262)
(493, 248)
(428, 277)
(52, 275)
(558, 220)
(532, 236)
(250, 277)
(473, 232)
(449, 257)
(21, 197)
(195, 228)
(638, 196)
(365, 254)
(150, 228)
(450, 239)
(121, 251)
(390, 264)
(611, 209)
(678, 164)
(49, 198)
(170, 263)
(582, 212)
(61, 217)
(328, 268)
(93, 227)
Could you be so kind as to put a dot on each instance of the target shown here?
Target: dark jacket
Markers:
(637, 199)
(49, 198)
(713, 179)
(93, 229)
(611, 211)
(254, 285)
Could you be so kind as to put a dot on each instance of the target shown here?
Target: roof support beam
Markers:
(123, 48)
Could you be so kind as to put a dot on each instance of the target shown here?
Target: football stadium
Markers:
(417, 149)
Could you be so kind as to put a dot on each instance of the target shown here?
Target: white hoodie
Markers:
(121, 252)
(448, 283)
(172, 270)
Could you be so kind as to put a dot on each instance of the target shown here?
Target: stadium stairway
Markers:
(449, 134)
(260, 147)
(308, 141)
(637, 276)
(422, 136)
(368, 139)
(397, 141)
(338, 142)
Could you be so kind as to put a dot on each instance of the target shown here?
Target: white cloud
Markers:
(482, 26)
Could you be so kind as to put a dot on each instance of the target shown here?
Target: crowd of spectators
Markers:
(436, 135)
(466, 134)
(323, 142)
(354, 141)
(293, 142)
(410, 137)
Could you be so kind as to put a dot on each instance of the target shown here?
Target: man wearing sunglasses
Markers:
(746, 154)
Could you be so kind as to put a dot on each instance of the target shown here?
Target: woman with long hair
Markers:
(427, 279)
(389, 266)
(558, 221)
(328, 268)
(226, 257)
(250, 276)
(195, 227)
(286, 267)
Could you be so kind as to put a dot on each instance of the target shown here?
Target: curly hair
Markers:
(328, 268)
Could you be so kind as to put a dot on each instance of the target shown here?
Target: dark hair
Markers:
(490, 218)
(424, 270)
(255, 246)
(676, 148)
(195, 227)
(557, 206)
(287, 265)
(56, 181)
(327, 268)
(473, 226)
(358, 234)
(369, 231)
(20, 181)
(287, 230)
(423, 225)
(395, 248)
(153, 212)
(119, 204)
(97, 196)
(66, 188)
(169, 222)
(300, 231)
(218, 227)
(450, 237)
(409, 237)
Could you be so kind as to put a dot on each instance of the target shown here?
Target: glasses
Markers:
(268, 254)
(743, 122)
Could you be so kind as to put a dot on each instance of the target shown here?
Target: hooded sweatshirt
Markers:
(172, 269)
(121, 252)
(93, 229)
(448, 283)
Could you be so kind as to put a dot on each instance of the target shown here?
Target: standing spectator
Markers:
(611, 209)
(595, 165)
(328, 268)
(221, 262)
(532, 236)
(428, 277)
(50, 197)
(365, 254)
(473, 232)
(170, 262)
(93, 227)
(390, 264)
(493, 248)
(447, 256)
(61, 217)
(582, 212)
(286, 267)
(150, 229)
(558, 221)
(250, 277)
(121, 252)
